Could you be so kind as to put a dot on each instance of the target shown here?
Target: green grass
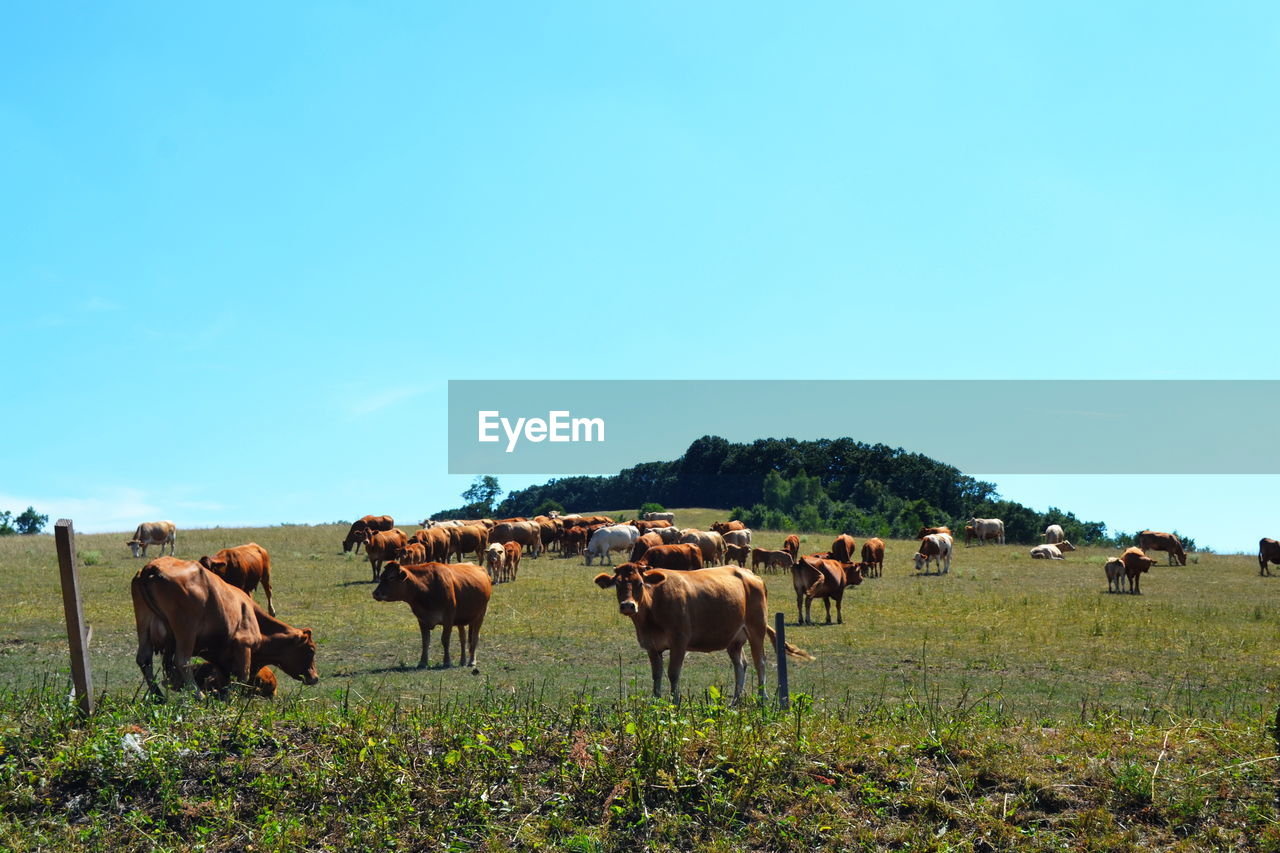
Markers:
(1012, 702)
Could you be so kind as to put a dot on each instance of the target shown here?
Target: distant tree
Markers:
(547, 507)
(484, 492)
(6, 524)
(30, 522)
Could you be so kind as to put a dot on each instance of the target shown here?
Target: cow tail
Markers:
(792, 651)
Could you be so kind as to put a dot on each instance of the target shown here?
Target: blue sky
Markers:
(244, 247)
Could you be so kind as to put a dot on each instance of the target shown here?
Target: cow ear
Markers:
(204, 561)
(604, 580)
(306, 632)
(654, 578)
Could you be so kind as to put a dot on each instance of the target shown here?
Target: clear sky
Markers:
(243, 246)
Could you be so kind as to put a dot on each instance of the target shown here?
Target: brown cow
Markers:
(1154, 540)
(182, 609)
(723, 527)
(771, 559)
(706, 611)
(244, 567)
(644, 543)
(792, 545)
(679, 558)
(435, 541)
(468, 540)
(527, 533)
(573, 542)
(835, 577)
(210, 679)
(873, 557)
(382, 546)
(737, 554)
(929, 531)
(1135, 563)
(842, 548)
(511, 562)
(440, 594)
(356, 537)
(969, 534)
(1268, 552)
(413, 553)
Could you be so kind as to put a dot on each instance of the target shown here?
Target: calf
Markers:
(511, 563)
(737, 554)
(1114, 570)
(413, 553)
(771, 559)
(441, 594)
(873, 557)
(495, 561)
(211, 679)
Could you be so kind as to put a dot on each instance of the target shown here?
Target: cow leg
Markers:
(425, 627)
(826, 602)
(448, 630)
(674, 665)
(739, 668)
(756, 639)
(462, 644)
(655, 666)
(839, 611)
(266, 585)
(474, 631)
(145, 660)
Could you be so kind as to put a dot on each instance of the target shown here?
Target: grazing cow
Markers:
(605, 540)
(969, 534)
(930, 531)
(1135, 563)
(382, 546)
(737, 554)
(842, 548)
(154, 533)
(936, 547)
(711, 543)
(705, 611)
(988, 528)
(1053, 534)
(660, 516)
(441, 594)
(1268, 552)
(792, 545)
(723, 527)
(355, 536)
(771, 559)
(678, 558)
(737, 537)
(495, 560)
(468, 540)
(873, 557)
(511, 565)
(1154, 540)
(210, 679)
(1114, 569)
(182, 609)
(644, 543)
(527, 533)
(412, 554)
(573, 542)
(835, 576)
(435, 541)
(244, 567)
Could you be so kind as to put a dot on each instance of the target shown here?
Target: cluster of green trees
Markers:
(28, 523)
(828, 485)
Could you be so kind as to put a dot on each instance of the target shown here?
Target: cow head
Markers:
(921, 560)
(853, 573)
(394, 583)
(630, 580)
(135, 546)
(1064, 546)
(298, 658)
(215, 565)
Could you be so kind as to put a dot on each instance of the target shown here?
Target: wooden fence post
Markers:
(64, 536)
(784, 689)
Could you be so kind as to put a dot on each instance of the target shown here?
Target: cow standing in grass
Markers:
(440, 594)
(1268, 552)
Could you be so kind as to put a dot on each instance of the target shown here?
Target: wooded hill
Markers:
(832, 485)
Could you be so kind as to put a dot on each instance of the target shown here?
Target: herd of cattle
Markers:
(679, 587)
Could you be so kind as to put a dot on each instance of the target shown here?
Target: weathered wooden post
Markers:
(784, 689)
(64, 536)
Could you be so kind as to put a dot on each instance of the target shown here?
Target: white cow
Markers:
(934, 547)
(1052, 552)
(988, 528)
(738, 537)
(154, 533)
(1053, 534)
(660, 516)
(668, 535)
(606, 540)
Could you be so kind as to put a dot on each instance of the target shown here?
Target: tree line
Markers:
(28, 523)
(827, 485)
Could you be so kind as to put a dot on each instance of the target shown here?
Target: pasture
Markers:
(939, 702)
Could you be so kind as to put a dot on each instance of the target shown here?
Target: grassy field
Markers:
(946, 712)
